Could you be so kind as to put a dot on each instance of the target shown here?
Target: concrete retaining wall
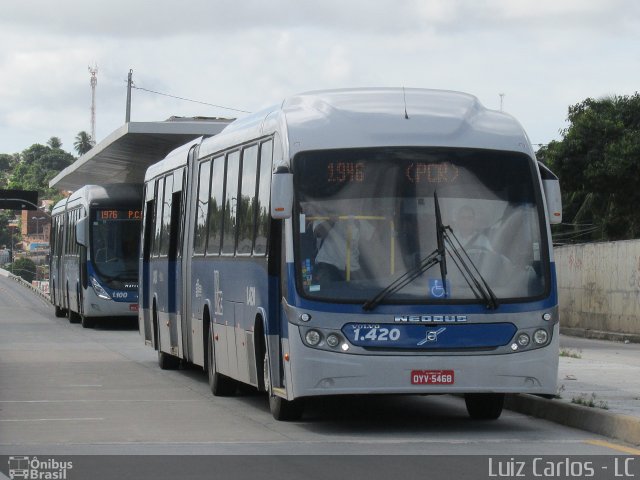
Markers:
(599, 286)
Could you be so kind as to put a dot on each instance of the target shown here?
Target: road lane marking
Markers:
(613, 446)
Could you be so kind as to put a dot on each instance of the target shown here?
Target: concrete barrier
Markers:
(599, 289)
(20, 280)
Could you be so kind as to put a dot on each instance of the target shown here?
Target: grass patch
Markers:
(566, 352)
(591, 401)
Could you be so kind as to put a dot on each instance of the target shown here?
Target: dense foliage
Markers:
(598, 163)
(34, 167)
(25, 268)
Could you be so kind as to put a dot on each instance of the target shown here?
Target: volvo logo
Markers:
(432, 336)
(130, 285)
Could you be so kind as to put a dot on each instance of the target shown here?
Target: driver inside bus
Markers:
(338, 249)
(467, 231)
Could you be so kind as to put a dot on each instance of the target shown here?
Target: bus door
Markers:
(144, 312)
(174, 273)
(186, 252)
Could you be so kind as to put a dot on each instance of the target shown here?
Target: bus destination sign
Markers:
(120, 215)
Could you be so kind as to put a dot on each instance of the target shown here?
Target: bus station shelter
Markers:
(125, 155)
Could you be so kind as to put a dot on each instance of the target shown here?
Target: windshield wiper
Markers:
(435, 257)
(440, 234)
(477, 283)
(409, 276)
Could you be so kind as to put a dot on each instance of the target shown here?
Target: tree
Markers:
(598, 163)
(36, 166)
(25, 268)
(54, 142)
(83, 143)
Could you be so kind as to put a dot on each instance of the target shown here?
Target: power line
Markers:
(189, 100)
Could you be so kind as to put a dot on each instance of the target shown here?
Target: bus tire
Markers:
(87, 322)
(220, 385)
(281, 409)
(167, 362)
(484, 406)
(59, 311)
(71, 315)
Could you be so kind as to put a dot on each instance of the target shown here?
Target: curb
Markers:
(614, 425)
(600, 334)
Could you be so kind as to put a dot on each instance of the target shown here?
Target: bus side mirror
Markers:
(554, 200)
(81, 228)
(281, 195)
(551, 187)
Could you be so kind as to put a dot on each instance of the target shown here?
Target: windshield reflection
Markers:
(369, 218)
(114, 249)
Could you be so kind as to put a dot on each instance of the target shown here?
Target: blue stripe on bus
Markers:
(429, 337)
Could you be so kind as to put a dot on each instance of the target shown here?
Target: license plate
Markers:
(432, 377)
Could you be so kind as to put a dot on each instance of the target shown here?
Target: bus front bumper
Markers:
(312, 372)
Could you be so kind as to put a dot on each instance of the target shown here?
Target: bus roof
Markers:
(121, 194)
(367, 117)
(370, 117)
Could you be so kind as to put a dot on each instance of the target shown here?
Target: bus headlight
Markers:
(100, 292)
(523, 339)
(540, 337)
(313, 337)
(333, 340)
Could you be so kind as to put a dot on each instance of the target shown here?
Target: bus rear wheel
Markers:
(220, 385)
(167, 362)
(484, 406)
(281, 409)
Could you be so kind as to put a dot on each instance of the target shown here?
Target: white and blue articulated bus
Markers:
(365, 241)
(95, 237)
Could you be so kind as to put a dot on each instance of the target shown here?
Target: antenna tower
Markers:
(93, 82)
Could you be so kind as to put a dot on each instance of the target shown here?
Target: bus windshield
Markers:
(367, 216)
(115, 240)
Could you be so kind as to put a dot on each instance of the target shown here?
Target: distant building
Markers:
(36, 226)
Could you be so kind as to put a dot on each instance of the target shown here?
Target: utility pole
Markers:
(501, 100)
(129, 84)
(93, 82)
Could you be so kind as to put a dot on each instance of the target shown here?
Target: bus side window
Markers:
(157, 218)
(166, 215)
(264, 193)
(200, 234)
(216, 206)
(231, 204)
(246, 207)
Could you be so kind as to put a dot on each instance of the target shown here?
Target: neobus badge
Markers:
(430, 318)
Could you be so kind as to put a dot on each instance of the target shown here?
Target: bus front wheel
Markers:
(484, 406)
(281, 409)
(87, 322)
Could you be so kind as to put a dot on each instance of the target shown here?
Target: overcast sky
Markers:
(543, 55)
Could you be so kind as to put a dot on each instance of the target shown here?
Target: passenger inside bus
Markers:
(338, 254)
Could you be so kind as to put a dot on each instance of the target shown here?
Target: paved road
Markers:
(603, 371)
(67, 390)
